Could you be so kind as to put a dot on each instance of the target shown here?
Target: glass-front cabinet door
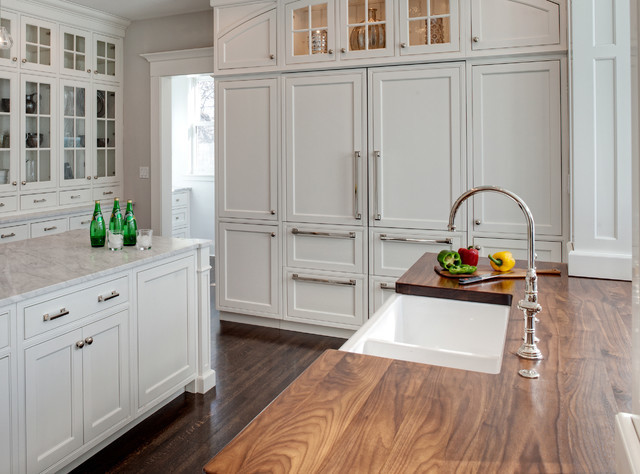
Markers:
(38, 43)
(75, 154)
(75, 52)
(107, 112)
(310, 30)
(9, 57)
(38, 156)
(429, 26)
(107, 54)
(366, 28)
(9, 129)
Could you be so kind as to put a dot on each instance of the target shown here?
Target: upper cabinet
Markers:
(515, 23)
(252, 43)
(429, 26)
(366, 28)
(107, 58)
(38, 44)
(310, 31)
(9, 57)
(83, 54)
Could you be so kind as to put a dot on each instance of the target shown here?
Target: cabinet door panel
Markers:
(105, 374)
(251, 44)
(248, 269)
(9, 132)
(248, 149)
(418, 146)
(324, 144)
(166, 332)
(310, 31)
(53, 393)
(517, 145)
(6, 423)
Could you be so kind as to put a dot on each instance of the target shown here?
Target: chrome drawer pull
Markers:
(113, 294)
(386, 286)
(36, 201)
(356, 177)
(47, 229)
(335, 235)
(415, 241)
(51, 317)
(6, 236)
(106, 193)
(85, 222)
(324, 281)
(377, 166)
(76, 196)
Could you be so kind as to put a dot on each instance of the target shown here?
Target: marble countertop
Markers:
(35, 266)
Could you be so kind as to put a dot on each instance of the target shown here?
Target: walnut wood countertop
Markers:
(351, 413)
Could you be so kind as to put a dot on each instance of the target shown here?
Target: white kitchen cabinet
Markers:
(181, 213)
(82, 221)
(75, 52)
(107, 58)
(429, 26)
(49, 227)
(545, 251)
(13, 233)
(75, 127)
(9, 131)
(310, 29)
(417, 144)
(249, 269)
(107, 133)
(325, 146)
(7, 441)
(517, 145)
(380, 290)
(38, 45)
(247, 130)
(515, 23)
(9, 57)
(366, 28)
(166, 328)
(250, 41)
(76, 387)
(38, 120)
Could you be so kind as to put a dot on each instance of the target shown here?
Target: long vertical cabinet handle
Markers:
(356, 175)
(377, 156)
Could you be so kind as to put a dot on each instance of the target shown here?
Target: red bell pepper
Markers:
(469, 256)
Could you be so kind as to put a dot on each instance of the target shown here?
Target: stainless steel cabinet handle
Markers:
(323, 281)
(273, 234)
(59, 314)
(356, 177)
(107, 193)
(89, 340)
(386, 286)
(113, 294)
(36, 201)
(273, 212)
(6, 236)
(335, 235)
(376, 169)
(415, 240)
(80, 344)
(47, 229)
(85, 222)
(478, 222)
(76, 196)
(476, 39)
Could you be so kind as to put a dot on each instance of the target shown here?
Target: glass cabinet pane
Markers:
(106, 57)
(105, 134)
(367, 25)
(5, 127)
(74, 142)
(6, 53)
(38, 118)
(429, 22)
(310, 30)
(74, 54)
(37, 44)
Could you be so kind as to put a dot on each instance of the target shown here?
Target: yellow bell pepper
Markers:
(502, 261)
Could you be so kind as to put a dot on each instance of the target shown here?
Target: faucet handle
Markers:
(529, 306)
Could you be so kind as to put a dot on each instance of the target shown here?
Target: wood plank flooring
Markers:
(253, 366)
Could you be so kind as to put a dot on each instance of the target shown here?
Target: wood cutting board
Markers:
(515, 273)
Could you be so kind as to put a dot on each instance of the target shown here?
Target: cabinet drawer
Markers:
(82, 196)
(4, 328)
(50, 313)
(326, 248)
(326, 299)
(38, 201)
(14, 233)
(50, 227)
(8, 204)
(179, 218)
(80, 222)
(394, 251)
(545, 251)
(380, 290)
(106, 196)
(179, 198)
(181, 233)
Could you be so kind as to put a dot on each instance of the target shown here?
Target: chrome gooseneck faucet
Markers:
(529, 305)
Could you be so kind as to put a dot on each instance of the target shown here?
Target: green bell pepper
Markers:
(449, 258)
(461, 269)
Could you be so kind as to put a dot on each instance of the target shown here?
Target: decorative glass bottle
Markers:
(116, 223)
(130, 225)
(97, 229)
(377, 34)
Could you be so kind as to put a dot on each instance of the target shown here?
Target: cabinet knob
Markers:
(14, 59)
(24, 183)
(330, 51)
(95, 72)
(273, 212)
(273, 234)
(15, 183)
(89, 340)
(80, 344)
(272, 56)
(95, 177)
(24, 60)
(89, 177)
(403, 45)
(478, 222)
(89, 71)
(343, 50)
(476, 39)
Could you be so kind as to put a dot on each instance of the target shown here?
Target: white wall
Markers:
(194, 30)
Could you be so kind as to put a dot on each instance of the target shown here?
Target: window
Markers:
(201, 132)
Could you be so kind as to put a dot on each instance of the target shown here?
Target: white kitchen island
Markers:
(93, 341)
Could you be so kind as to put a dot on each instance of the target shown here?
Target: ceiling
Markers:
(144, 9)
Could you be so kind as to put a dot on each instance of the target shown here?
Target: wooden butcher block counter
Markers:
(351, 413)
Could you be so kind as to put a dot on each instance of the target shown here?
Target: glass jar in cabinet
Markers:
(9, 129)
(429, 26)
(310, 29)
(38, 168)
(38, 44)
(366, 28)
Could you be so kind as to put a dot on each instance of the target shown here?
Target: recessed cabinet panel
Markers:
(248, 149)
(514, 23)
(417, 149)
(325, 147)
(251, 44)
(528, 159)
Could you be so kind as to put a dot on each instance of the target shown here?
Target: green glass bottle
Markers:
(97, 229)
(130, 225)
(116, 223)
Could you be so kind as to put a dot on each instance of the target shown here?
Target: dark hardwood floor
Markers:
(253, 365)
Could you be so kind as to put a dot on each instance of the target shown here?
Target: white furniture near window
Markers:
(181, 213)
(332, 183)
